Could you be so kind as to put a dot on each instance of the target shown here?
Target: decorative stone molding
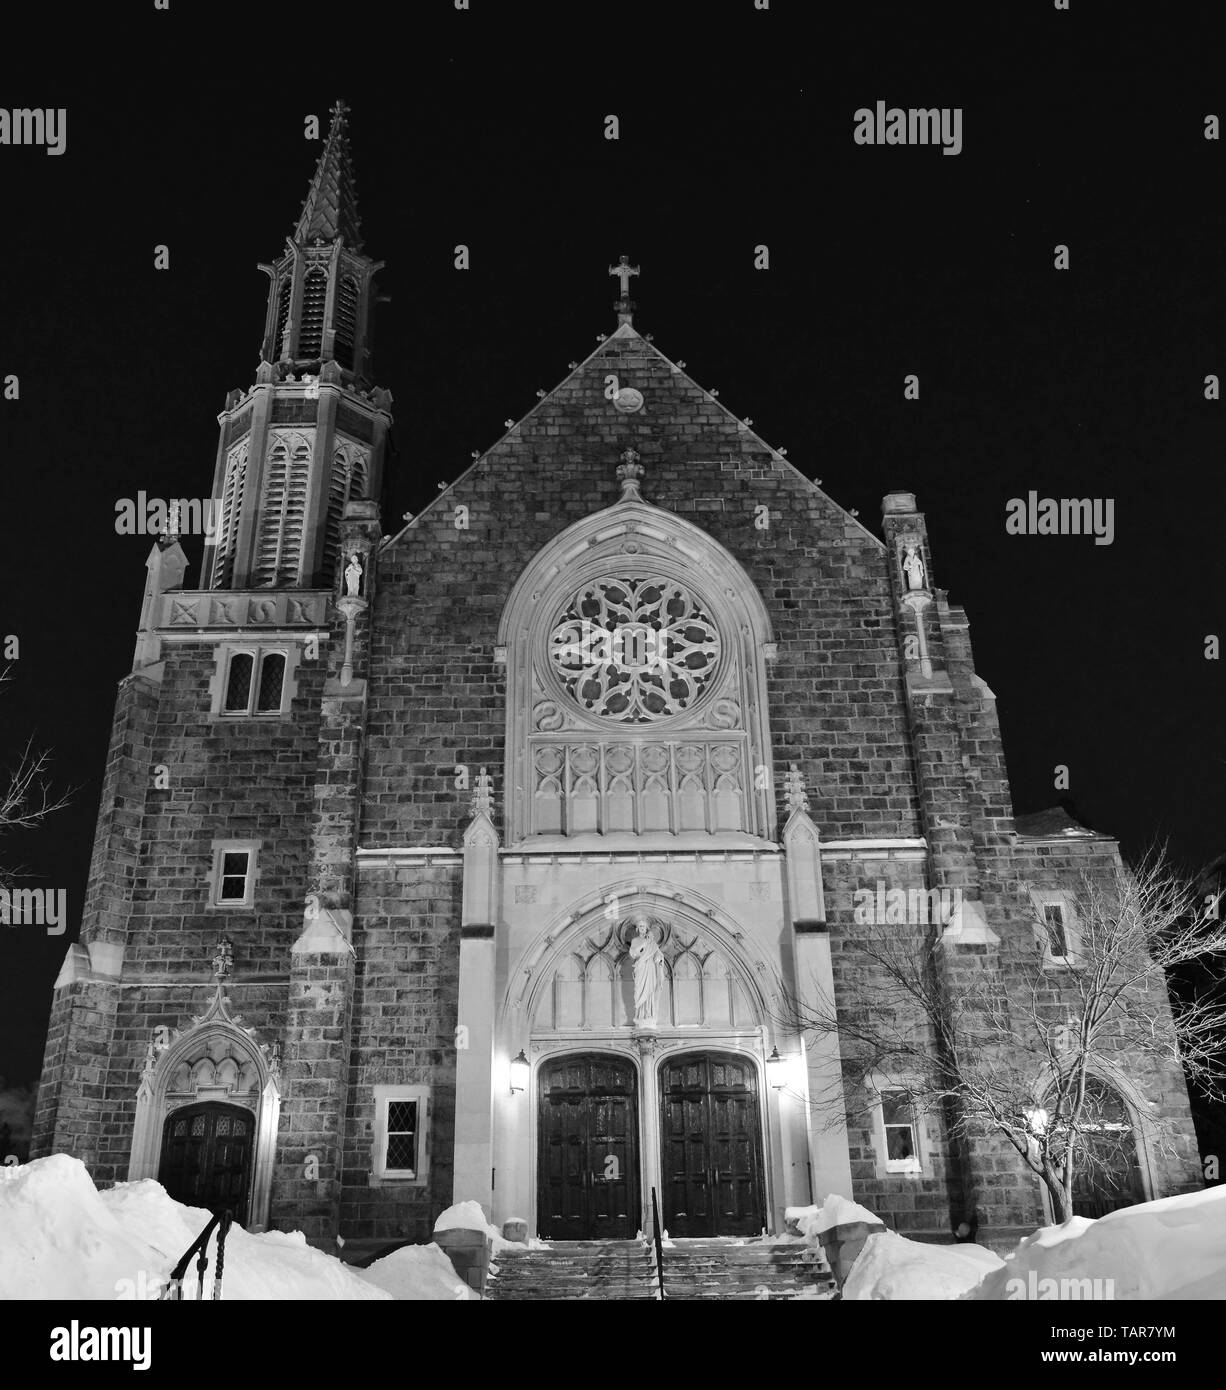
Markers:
(213, 1058)
(588, 670)
(232, 610)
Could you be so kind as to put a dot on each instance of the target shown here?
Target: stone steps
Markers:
(694, 1271)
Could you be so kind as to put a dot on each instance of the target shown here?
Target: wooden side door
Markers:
(711, 1145)
(207, 1152)
(588, 1165)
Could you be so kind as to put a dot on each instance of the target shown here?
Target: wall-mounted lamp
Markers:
(520, 1069)
(776, 1070)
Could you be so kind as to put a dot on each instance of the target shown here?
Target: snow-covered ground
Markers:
(1170, 1249)
(62, 1238)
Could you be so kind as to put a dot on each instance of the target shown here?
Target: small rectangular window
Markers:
(401, 1137)
(898, 1119)
(1053, 919)
(234, 872)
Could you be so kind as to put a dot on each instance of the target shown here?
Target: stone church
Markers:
(470, 858)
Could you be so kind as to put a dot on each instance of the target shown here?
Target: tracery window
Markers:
(637, 700)
(635, 649)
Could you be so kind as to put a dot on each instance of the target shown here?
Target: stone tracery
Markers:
(634, 650)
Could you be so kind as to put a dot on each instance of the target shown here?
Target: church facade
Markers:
(475, 861)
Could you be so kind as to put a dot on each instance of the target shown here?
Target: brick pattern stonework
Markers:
(887, 750)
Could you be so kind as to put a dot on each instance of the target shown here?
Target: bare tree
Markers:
(1019, 1051)
(26, 797)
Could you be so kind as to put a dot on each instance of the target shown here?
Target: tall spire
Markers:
(331, 207)
(322, 297)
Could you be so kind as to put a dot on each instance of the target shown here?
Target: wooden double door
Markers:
(207, 1153)
(589, 1148)
(710, 1145)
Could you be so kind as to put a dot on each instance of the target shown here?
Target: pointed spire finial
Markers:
(625, 305)
(331, 206)
(483, 794)
(794, 785)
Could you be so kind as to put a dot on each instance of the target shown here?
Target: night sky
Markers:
(486, 128)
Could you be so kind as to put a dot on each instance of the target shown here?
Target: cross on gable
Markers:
(624, 270)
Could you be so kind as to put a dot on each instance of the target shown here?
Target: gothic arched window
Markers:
(636, 685)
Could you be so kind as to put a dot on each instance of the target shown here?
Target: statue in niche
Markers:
(353, 577)
(913, 567)
(648, 962)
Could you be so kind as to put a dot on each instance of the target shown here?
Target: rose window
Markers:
(635, 649)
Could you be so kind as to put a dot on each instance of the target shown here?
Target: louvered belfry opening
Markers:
(314, 302)
(348, 482)
(285, 296)
(279, 557)
(231, 511)
(346, 321)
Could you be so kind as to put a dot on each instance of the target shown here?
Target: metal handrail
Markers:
(173, 1292)
(658, 1243)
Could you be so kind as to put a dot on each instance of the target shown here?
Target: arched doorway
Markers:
(206, 1158)
(589, 1154)
(711, 1145)
(1107, 1174)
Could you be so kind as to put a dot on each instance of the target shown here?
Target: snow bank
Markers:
(57, 1240)
(468, 1216)
(418, 1272)
(891, 1266)
(834, 1211)
(61, 1238)
(1174, 1248)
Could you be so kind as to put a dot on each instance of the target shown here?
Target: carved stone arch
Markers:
(689, 918)
(688, 683)
(213, 1058)
(1144, 1128)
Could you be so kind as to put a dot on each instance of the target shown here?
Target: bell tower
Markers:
(310, 435)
